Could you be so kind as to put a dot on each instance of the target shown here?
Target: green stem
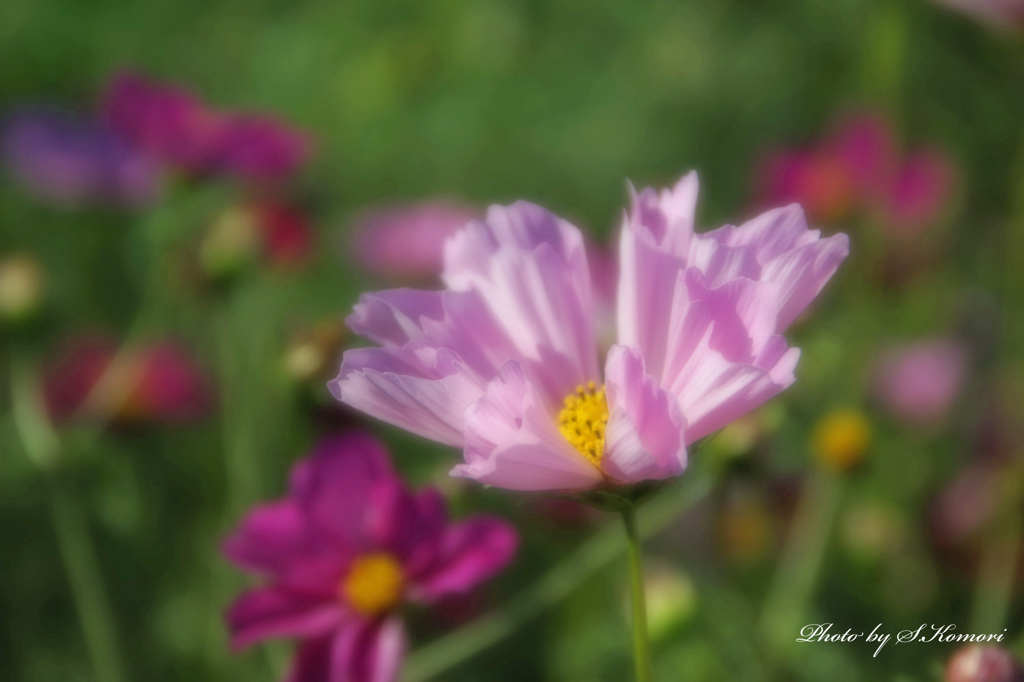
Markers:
(797, 573)
(91, 602)
(558, 583)
(641, 647)
(77, 554)
(996, 572)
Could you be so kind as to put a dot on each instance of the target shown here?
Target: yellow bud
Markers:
(21, 286)
(841, 439)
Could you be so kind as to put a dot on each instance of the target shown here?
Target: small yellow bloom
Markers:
(21, 286)
(841, 439)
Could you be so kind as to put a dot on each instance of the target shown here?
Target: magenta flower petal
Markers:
(275, 539)
(335, 485)
(866, 145)
(921, 192)
(368, 651)
(512, 441)
(645, 439)
(260, 147)
(406, 524)
(312, 661)
(470, 553)
(274, 612)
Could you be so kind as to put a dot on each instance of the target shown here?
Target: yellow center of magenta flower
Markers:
(583, 420)
(374, 584)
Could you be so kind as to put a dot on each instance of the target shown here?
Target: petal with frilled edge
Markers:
(645, 437)
(512, 441)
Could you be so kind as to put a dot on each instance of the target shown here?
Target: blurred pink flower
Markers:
(968, 504)
(977, 663)
(155, 382)
(71, 160)
(920, 382)
(406, 243)
(343, 552)
(505, 362)
(178, 129)
(858, 167)
(1003, 14)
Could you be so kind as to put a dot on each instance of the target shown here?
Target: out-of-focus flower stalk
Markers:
(43, 447)
(641, 645)
(602, 548)
(997, 570)
(839, 443)
(797, 572)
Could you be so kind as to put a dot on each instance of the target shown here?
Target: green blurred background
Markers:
(558, 103)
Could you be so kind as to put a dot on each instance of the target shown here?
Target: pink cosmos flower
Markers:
(343, 552)
(505, 362)
(406, 243)
(920, 382)
(176, 128)
(859, 167)
(157, 382)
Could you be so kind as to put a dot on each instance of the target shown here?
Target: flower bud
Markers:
(841, 439)
(232, 243)
(22, 282)
(975, 663)
(311, 352)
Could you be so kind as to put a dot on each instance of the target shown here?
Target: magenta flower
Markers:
(1002, 14)
(505, 362)
(343, 552)
(179, 130)
(920, 382)
(406, 243)
(158, 382)
(859, 167)
(71, 160)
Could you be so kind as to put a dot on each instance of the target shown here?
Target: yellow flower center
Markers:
(374, 584)
(583, 420)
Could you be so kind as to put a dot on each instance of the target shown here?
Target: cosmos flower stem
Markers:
(996, 573)
(641, 645)
(797, 572)
(77, 553)
(558, 583)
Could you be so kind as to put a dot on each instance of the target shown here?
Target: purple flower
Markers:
(919, 382)
(343, 552)
(406, 243)
(71, 160)
(176, 128)
(505, 362)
